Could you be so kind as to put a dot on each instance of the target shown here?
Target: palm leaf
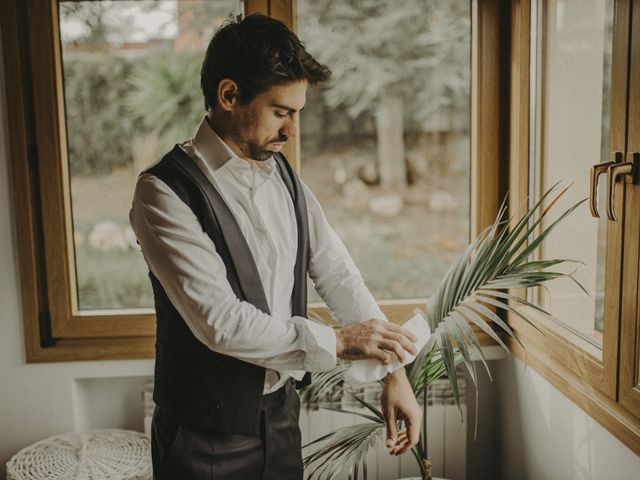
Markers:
(373, 418)
(496, 260)
(346, 447)
(324, 383)
(335, 447)
(435, 369)
(369, 406)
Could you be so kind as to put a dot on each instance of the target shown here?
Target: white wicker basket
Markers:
(92, 455)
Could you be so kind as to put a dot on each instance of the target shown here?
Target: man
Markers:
(229, 233)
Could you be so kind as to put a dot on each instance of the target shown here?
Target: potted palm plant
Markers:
(496, 261)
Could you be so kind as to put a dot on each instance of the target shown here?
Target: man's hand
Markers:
(399, 403)
(374, 339)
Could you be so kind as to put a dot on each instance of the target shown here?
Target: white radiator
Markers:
(447, 435)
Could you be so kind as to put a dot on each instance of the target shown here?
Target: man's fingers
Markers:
(406, 344)
(404, 440)
(374, 339)
(392, 431)
(401, 449)
(395, 328)
(400, 439)
(394, 347)
(402, 342)
(381, 355)
(402, 445)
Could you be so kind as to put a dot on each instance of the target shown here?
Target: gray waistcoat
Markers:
(199, 387)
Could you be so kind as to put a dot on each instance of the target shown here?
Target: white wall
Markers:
(39, 400)
(543, 435)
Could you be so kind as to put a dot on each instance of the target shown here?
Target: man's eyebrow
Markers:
(284, 107)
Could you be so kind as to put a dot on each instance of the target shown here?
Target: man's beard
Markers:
(258, 152)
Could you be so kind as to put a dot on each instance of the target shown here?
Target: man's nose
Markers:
(289, 129)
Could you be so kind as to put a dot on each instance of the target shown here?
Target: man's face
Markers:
(261, 127)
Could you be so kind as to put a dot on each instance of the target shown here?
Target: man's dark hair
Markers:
(257, 53)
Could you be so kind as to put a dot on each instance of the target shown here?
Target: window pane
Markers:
(131, 82)
(575, 72)
(385, 145)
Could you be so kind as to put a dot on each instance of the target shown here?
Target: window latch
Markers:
(620, 170)
(596, 171)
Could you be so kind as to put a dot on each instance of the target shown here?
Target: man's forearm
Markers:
(399, 374)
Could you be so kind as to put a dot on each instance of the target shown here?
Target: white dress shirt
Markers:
(185, 261)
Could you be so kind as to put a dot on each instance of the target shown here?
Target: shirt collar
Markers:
(217, 154)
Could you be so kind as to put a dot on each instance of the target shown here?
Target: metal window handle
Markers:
(619, 170)
(596, 171)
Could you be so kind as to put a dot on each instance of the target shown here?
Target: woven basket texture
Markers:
(92, 455)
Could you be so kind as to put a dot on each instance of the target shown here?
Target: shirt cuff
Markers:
(319, 345)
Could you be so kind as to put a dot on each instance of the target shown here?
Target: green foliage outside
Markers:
(164, 94)
(113, 279)
(110, 99)
(419, 52)
(99, 124)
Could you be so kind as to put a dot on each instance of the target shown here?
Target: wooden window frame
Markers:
(40, 193)
(629, 387)
(591, 383)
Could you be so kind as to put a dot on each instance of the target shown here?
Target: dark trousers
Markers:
(183, 453)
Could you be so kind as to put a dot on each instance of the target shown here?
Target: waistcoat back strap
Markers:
(243, 261)
(291, 180)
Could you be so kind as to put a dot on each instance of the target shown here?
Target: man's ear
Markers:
(227, 93)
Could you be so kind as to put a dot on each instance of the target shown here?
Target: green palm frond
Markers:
(494, 261)
(334, 452)
(435, 369)
(347, 447)
(497, 260)
(324, 383)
